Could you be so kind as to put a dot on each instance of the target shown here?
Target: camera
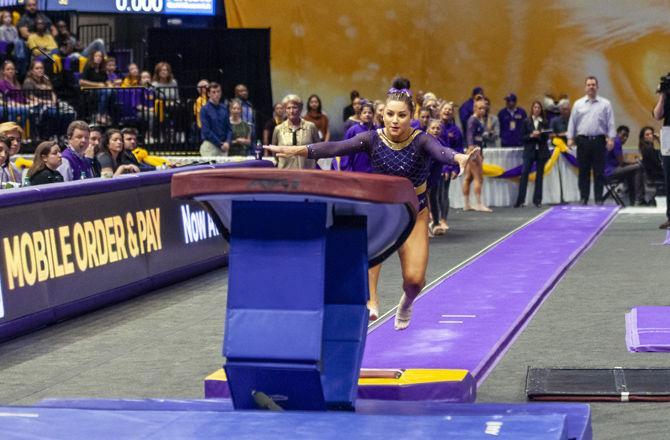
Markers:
(664, 85)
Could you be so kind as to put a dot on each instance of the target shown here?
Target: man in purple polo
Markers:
(511, 122)
(77, 156)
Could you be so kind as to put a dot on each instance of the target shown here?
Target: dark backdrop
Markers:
(227, 56)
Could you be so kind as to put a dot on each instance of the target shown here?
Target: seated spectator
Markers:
(9, 34)
(241, 139)
(95, 142)
(111, 156)
(95, 76)
(46, 161)
(200, 101)
(79, 154)
(14, 133)
(167, 90)
(133, 77)
(27, 22)
(69, 46)
(277, 118)
(216, 133)
(618, 167)
(652, 165)
(41, 39)
(315, 114)
(295, 131)
(129, 156)
(16, 103)
(10, 176)
(113, 78)
(49, 107)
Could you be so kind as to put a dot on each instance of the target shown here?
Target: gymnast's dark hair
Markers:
(402, 95)
(400, 82)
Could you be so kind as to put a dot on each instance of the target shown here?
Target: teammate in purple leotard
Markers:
(397, 150)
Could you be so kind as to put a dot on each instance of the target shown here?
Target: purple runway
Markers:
(469, 319)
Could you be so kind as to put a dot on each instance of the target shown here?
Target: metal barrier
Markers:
(163, 116)
(86, 33)
(40, 114)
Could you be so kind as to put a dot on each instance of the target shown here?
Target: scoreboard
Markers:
(169, 7)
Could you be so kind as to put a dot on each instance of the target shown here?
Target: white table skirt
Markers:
(503, 192)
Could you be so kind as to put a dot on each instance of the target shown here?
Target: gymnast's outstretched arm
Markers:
(444, 154)
(360, 142)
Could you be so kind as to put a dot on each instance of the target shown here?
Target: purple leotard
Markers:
(410, 159)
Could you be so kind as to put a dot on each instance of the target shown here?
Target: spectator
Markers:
(438, 193)
(95, 142)
(15, 100)
(315, 115)
(295, 131)
(651, 164)
(379, 113)
(113, 79)
(356, 117)
(421, 123)
(277, 118)
(50, 107)
(9, 34)
(78, 155)
(591, 127)
(660, 112)
(535, 150)
(128, 157)
(216, 132)
(200, 101)
(620, 168)
(349, 111)
(559, 125)
(111, 156)
(133, 77)
(242, 93)
(10, 176)
(359, 161)
(467, 108)
(511, 122)
(491, 127)
(69, 46)
(241, 138)
(46, 161)
(95, 76)
(164, 81)
(474, 172)
(14, 133)
(27, 22)
(41, 39)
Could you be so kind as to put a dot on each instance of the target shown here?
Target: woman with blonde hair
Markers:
(474, 172)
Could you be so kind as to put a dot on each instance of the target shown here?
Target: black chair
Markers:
(612, 189)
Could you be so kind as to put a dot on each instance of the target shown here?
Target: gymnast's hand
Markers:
(464, 159)
(287, 151)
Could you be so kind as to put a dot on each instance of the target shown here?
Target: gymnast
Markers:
(397, 150)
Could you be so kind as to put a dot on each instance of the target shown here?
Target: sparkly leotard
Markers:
(410, 158)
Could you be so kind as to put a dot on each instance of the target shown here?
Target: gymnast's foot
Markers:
(373, 307)
(403, 314)
(467, 207)
(483, 208)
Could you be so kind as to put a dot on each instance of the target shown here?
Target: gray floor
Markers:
(164, 343)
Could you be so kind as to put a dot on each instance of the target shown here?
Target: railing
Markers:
(86, 33)
(163, 117)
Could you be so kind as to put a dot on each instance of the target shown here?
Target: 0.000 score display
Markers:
(139, 5)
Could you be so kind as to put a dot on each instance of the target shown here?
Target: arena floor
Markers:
(164, 343)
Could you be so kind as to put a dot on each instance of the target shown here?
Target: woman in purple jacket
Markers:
(397, 150)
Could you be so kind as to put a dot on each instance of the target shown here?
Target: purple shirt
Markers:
(611, 161)
(466, 110)
(410, 159)
(451, 137)
(511, 126)
(359, 162)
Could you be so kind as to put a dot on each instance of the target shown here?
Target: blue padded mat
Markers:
(578, 415)
(57, 423)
